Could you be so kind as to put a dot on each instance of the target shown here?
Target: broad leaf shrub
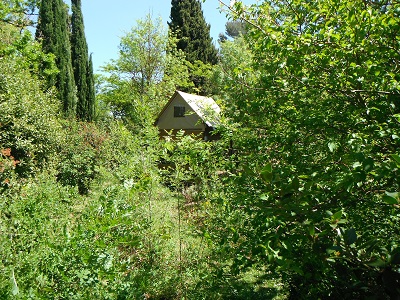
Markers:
(80, 155)
(202, 173)
(28, 123)
(117, 242)
(34, 223)
(314, 193)
(7, 167)
(130, 155)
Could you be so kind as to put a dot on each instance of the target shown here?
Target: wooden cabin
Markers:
(193, 114)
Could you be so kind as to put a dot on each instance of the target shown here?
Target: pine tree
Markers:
(80, 62)
(193, 33)
(52, 31)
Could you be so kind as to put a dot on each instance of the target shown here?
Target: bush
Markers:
(80, 155)
(28, 119)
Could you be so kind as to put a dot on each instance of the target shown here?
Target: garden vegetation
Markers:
(299, 199)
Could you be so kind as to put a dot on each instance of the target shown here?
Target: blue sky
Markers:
(106, 21)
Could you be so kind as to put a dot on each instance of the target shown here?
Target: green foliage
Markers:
(192, 160)
(118, 242)
(233, 29)
(17, 12)
(192, 31)
(315, 131)
(91, 94)
(145, 75)
(18, 45)
(53, 33)
(82, 213)
(28, 126)
(83, 70)
(7, 167)
(198, 170)
(235, 75)
(193, 38)
(200, 75)
(80, 155)
(32, 225)
(299, 199)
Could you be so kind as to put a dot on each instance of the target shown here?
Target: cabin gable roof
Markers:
(200, 112)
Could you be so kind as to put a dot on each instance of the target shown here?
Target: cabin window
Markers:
(179, 111)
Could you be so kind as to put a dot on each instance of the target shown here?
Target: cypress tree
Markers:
(193, 33)
(83, 71)
(91, 98)
(52, 31)
(45, 33)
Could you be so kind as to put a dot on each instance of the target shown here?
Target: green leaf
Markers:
(15, 289)
(267, 168)
(266, 173)
(396, 158)
(368, 164)
(337, 215)
(333, 249)
(297, 269)
(166, 237)
(332, 146)
(377, 263)
(350, 236)
(391, 198)
(311, 230)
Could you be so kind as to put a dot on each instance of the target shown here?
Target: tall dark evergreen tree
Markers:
(83, 72)
(192, 31)
(91, 98)
(52, 31)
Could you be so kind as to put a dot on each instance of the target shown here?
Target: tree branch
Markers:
(246, 20)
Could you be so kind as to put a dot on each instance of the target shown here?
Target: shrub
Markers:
(28, 119)
(79, 156)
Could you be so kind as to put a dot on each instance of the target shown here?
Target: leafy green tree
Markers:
(16, 43)
(52, 31)
(18, 12)
(145, 75)
(314, 190)
(83, 72)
